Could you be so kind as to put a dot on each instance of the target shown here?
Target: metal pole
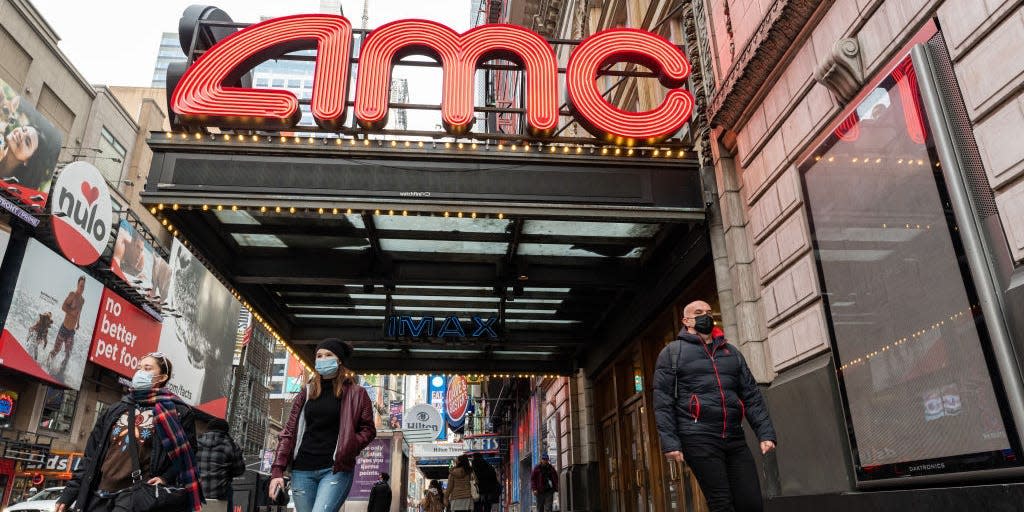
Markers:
(939, 115)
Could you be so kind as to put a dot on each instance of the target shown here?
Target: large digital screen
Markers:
(909, 338)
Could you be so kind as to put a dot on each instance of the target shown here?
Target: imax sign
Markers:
(404, 326)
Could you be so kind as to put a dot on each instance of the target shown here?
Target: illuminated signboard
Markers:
(201, 97)
(400, 326)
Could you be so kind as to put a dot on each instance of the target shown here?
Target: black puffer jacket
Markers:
(715, 391)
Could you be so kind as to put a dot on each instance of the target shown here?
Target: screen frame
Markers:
(957, 468)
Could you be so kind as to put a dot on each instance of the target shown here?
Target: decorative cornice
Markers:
(774, 37)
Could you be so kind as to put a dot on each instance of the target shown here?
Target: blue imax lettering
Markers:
(405, 326)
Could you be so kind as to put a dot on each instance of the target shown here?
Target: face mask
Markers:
(703, 324)
(326, 367)
(142, 380)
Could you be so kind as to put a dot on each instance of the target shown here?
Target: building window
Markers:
(294, 84)
(278, 82)
(101, 408)
(909, 338)
(261, 82)
(58, 409)
(110, 159)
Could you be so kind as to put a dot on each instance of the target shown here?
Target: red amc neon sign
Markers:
(202, 99)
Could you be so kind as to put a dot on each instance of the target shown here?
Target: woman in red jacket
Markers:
(330, 423)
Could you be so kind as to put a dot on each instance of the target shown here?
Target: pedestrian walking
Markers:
(331, 421)
(147, 437)
(220, 461)
(487, 483)
(433, 498)
(459, 494)
(544, 484)
(702, 391)
(380, 495)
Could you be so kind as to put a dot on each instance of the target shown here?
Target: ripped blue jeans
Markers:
(321, 490)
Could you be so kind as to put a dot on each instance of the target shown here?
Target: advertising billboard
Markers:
(200, 337)
(437, 387)
(29, 147)
(50, 323)
(138, 264)
(372, 461)
(124, 334)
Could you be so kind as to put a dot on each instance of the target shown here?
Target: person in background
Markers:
(544, 484)
(165, 433)
(330, 423)
(487, 484)
(220, 461)
(433, 498)
(380, 495)
(459, 495)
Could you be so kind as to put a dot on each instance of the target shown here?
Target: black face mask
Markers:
(703, 324)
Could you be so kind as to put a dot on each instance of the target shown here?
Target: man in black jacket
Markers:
(380, 495)
(220, 461)
(702, 391)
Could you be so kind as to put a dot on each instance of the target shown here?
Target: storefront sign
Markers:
(201, 98)
(31, 144)
(8, 403)
(438, 450)
(422, 423)
(482, 443)
(56, 463)
(372, 461)
(457, 402)
(50, 323)
(81, 213)
(125, 334)
(399, 326)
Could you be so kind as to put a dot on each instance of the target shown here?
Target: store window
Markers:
(58, 409)
(909, 338)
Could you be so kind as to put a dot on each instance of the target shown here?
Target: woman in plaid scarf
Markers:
(164, 436)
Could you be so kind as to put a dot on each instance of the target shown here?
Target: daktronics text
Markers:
(202, 99)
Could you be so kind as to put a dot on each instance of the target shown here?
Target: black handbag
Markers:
(152, 498)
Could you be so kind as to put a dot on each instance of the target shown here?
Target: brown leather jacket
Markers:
(355, 431)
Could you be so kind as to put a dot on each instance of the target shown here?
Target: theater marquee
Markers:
(202, 98)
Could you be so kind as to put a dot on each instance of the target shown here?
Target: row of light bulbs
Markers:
(525, 147)
(322, 211)
(868, 160)
(916, 335)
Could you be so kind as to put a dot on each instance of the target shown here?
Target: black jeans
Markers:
(725, 471)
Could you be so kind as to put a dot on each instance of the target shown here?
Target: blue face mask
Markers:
(142, 380)
(327, 367)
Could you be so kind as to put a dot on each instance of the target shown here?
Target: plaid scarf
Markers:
(173, 439)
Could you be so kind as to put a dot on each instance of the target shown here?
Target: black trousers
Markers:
(725, 471)
(116, 503)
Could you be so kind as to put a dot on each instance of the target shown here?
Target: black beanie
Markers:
(219, 425)
(339, 348)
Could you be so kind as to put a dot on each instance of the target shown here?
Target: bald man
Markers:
(702, 391)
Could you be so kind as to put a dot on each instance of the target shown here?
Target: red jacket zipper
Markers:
(693, 400)
(721, 390)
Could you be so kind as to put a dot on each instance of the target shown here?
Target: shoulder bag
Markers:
(146, 497)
